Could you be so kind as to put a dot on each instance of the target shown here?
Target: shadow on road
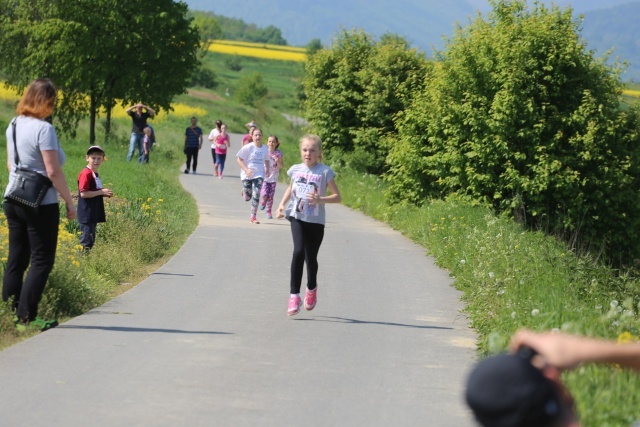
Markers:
(127, 329)
(367, 322)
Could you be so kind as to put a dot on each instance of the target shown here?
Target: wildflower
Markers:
(463, 262)
(624, 338)
(513, 314)
(491, 275)
(614, 303)
(535, 312)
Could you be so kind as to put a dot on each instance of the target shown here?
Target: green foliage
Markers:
(204, 77)
(237, 29)
(251, 88)
(512, 278)
(518, 115)
(353, 91)
(208, 29)
(313, 46)
(132, 51)
(233, 63)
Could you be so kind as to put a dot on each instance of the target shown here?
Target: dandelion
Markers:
(463, 262)
(500, 292)
(513, 314)
(535, 312)
(614, 303)
(624, 337)
(491, 275)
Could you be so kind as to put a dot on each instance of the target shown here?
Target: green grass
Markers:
(149, 202)
(512, 278)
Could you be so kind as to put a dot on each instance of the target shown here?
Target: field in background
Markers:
(259, 50)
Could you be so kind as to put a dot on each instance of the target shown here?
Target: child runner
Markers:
(248, 138)
(305, 199)
(90, 202)
(269, 185)
(212, 137)
(223, 143)
(254, 161)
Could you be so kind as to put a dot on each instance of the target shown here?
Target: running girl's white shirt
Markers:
(303, 181)
(253, 157)
(212, 136)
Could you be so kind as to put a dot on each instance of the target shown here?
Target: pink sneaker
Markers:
(294, 305)
(310, 299)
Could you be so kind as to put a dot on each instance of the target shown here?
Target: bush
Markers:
(233, 63)
(251, 88)
(204, 77)
(521, 117)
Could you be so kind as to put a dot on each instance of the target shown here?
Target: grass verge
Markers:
(512, 278)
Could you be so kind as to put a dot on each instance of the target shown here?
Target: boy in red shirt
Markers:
(91, 194)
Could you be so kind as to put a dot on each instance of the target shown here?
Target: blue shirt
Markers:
(193, 136)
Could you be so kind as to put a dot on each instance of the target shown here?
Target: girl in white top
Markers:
(269, 184)
(253, 159)
(212, 137)
(304, 200)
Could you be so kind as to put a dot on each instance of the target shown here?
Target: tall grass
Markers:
(512, 278)
(148, 219)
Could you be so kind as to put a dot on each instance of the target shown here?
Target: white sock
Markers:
(295, 295)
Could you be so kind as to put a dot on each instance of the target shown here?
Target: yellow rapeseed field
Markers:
(179, 110)
(630, 92)
(260, 50)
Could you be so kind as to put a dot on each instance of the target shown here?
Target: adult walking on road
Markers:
(139, 114)
(305, 199)
(33, 233)
(192, 145)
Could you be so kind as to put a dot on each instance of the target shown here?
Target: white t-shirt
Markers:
(254, 158)
(306, 180)
(33, 135)
(212, 136)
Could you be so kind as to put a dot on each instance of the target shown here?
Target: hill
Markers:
(422, 22)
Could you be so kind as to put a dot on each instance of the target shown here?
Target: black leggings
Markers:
(192, 154)
(33, 237)
(307, 238)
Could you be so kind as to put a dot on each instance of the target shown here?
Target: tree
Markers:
(519, 115)
(353, 90)
(132, 51)
(208, 28)
(313, 46)
(251, 88)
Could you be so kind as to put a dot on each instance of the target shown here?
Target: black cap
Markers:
(506, 390)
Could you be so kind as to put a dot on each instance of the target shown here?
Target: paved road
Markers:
(205, 340)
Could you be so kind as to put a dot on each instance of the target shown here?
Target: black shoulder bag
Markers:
(29, 187)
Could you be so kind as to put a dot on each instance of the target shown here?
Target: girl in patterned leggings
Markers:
(254, 161)
(269, 184)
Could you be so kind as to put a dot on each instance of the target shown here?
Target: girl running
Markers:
(304, 200)
(269, 185)
(254, 161)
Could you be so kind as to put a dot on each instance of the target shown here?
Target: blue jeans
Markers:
(88, 236)
(135, 142)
